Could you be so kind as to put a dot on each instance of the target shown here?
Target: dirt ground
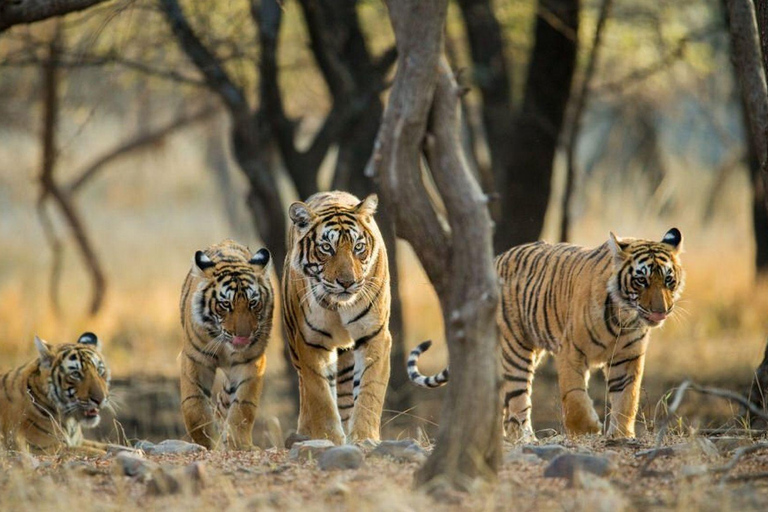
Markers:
(692, 475)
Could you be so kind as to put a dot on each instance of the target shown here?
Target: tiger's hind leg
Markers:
(573, 378)
(345, 375)
(518, 364)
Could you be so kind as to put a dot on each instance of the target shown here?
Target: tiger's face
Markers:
(234, 301)
(337, 250)
(648, 276)
(78, 378)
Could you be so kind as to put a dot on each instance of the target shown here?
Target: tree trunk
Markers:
(537, 127)
(459, 262)
(29, 11)
(750, 75)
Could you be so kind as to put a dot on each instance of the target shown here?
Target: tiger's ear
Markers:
(368, 205)
(45, 353)
(674, 238)
(618, 247)
(203, 262)
(261, 258)
(88, 338)
(300, 215)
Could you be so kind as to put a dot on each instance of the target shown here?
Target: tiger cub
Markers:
(226, 313)
(45, 403)
(336, 301)
(591, 308)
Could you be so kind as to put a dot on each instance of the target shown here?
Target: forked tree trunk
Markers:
(421, 120)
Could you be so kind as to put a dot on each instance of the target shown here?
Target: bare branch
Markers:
(49, 187)
(215, 75)
(140, 142)
(19, 12)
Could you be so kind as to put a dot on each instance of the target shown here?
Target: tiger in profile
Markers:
(45, 404)
(226, 314)
(336, 300)
(591, 308)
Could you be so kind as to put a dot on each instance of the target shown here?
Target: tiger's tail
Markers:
(424, 381)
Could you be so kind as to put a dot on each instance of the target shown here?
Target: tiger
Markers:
(227, 304)
(336, 306)
(45, 404)
(590, 308)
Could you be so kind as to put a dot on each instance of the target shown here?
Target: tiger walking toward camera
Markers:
(226, 313)
(45, 404)
(336, 309)
(592, 309)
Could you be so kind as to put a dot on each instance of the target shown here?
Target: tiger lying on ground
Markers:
(336, 301)
(226, 313)
(45, 403)
(591, 308)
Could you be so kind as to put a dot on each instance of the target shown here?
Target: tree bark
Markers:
(537, 128)
(21, 12)
(750, 75)
(422, 113)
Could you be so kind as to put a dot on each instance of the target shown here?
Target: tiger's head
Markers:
(233, 302)
(77, 376)
(337, 248)
(648, 277)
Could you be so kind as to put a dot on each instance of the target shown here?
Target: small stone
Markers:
(690, 472)
(134, 465)
(338, 489)
(143, 445)
(546, 452)
(190, 478)
(83, 468)
(294, 438)
(517, 457)
(565, 465)
(175, 446)
(25, 461)
(405, 450)
(309, 450)
(726, 445)
(341, 457)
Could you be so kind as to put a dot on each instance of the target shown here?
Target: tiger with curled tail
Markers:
(45, 404)
(227, 303)
(336, 302)
(592, 309)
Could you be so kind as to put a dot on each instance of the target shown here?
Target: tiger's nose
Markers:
(345, 283)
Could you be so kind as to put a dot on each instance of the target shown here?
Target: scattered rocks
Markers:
(405, 450)
(341, 457)
(174, 446)
(546, 452)
(294, 438)
(309, 450)
(133, 465)
(567, 464)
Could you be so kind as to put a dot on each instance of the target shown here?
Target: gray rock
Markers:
(25, 461)
(518, 457)
(190, 479)
(133, 465)
(175, 446)
(567, 464)
(144, 445)
(546, 452)
(83, 468)
(309, 450)
(405, 450)
(294, 438)
(341, 457)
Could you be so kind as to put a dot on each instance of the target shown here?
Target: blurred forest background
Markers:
(139, 131)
